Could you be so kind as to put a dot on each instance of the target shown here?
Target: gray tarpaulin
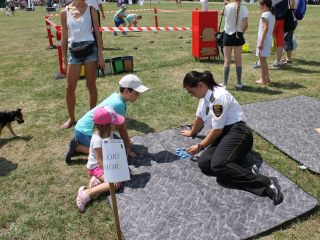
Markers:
(169, 198)
(290, 125)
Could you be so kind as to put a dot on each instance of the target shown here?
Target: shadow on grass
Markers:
(6, 167)
(112, 49)
(139, 126)
(82, 160)
(287, 85)
(306, 62)
(131, 36)
(210, 60)
(295, 68)
(4, 141)
(261, 89)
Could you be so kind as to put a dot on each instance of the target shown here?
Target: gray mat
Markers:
(169, 198)
(290, 125)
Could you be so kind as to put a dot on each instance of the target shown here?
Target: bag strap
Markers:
(222, 14)
(94, 34)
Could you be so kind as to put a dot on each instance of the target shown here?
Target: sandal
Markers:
(285, 61)
(82, 199)
(94, 181)
(68, 124)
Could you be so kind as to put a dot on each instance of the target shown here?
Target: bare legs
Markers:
(73, 73)
(265, 79)
(90, 72)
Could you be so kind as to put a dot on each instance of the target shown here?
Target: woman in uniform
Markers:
(229, 140)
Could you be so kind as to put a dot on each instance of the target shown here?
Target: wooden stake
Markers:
(115, 210)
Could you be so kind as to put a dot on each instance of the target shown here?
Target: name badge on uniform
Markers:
(217, 110)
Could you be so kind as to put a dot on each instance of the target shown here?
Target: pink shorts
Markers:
(98, 172)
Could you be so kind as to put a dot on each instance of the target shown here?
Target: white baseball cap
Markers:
(132, 81)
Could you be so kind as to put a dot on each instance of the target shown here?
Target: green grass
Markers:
(38, 189)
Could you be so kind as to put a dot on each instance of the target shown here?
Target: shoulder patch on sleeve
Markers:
(217, 110)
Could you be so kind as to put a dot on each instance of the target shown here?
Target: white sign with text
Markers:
(115, 164)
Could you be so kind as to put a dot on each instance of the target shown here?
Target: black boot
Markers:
(274, 191)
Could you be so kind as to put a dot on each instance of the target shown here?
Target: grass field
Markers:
(38, 189)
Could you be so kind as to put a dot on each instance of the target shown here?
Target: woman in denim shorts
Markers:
(77, 21)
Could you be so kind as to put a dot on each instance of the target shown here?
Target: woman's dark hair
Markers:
(193, 78)
(268, 3)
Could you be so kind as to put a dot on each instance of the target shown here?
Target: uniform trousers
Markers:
(224, 159)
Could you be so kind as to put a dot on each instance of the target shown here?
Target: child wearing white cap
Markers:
(103, 119)
(130, 87)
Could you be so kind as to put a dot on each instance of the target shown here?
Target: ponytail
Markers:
(238, 10)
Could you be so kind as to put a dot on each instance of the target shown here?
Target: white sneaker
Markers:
(239, 86)
(276, 64)
(257, 65)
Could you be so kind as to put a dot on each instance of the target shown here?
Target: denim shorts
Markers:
(80, 60)
(82, 138)
(119, 22)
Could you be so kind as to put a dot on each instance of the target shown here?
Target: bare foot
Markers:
(260, 81)
(68, 124)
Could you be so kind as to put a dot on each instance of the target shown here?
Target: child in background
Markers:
(132, 19)
(264, 42)
(119, 18)
(12, 8)
(103, 119)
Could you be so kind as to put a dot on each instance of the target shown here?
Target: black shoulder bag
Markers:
(219, 35)
(289, 22)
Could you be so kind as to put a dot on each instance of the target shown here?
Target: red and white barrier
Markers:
(62, 72)
(49, 23)
(133, 10)
(143, 29)
(58, 45)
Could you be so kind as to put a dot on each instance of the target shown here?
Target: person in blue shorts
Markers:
(119, 18)
(130, 89)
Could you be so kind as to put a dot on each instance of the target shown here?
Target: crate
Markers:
(107, 66)
(128, 63)
(117, 65)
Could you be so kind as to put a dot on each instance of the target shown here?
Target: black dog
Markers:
(7, 117)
